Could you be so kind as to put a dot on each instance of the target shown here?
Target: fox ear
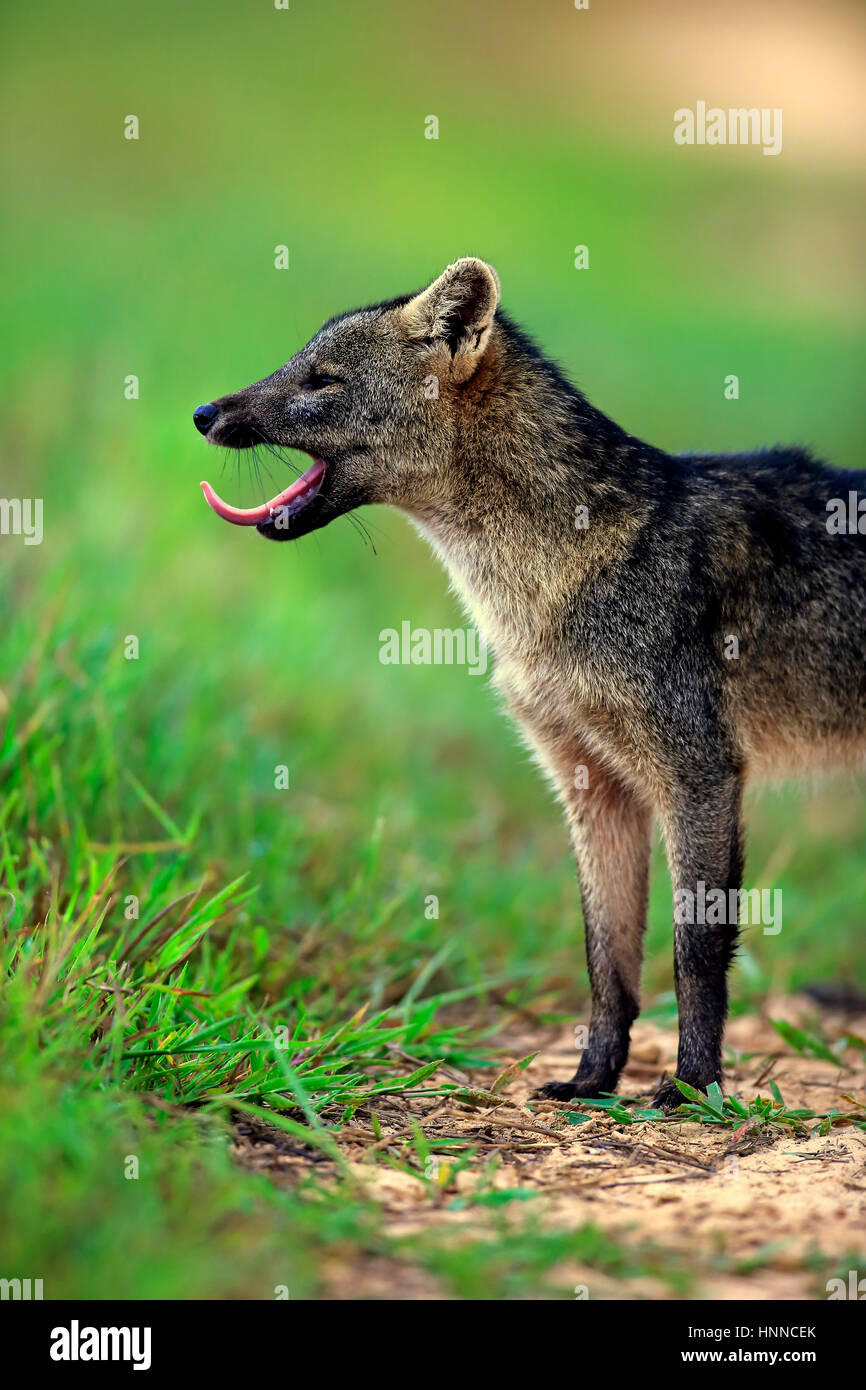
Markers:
(456, 312)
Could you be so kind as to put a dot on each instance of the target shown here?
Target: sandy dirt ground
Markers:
(747, 1213)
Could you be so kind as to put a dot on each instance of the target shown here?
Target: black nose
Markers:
(204, 415)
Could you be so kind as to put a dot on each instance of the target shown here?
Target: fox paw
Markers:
(569, 1090)
(669, 1096)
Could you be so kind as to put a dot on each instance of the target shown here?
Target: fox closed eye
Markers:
(317, 381)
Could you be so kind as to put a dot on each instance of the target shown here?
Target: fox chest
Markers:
(562, 718)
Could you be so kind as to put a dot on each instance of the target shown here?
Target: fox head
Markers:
(376, 399)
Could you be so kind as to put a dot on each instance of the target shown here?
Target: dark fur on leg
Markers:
(705, 848)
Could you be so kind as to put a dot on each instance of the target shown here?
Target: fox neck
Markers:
(523, 511)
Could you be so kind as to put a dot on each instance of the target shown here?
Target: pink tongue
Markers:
(251, 516)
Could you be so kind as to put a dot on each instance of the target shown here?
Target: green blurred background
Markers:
(155, 257)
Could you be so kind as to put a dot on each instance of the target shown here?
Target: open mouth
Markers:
(287, 503)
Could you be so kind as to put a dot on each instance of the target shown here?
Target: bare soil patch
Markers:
(756, 1213)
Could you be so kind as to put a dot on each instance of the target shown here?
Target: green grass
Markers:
(732, 1112)
(153, 777)
(712, 1108)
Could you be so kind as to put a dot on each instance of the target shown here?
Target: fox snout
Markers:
(230, 421)
(272, 416)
